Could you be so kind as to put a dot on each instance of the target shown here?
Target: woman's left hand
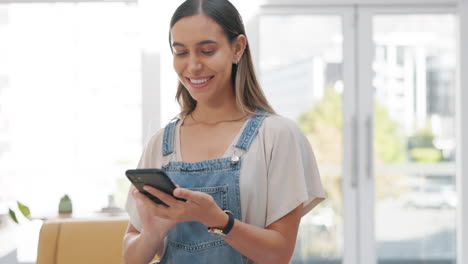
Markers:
(199, 207)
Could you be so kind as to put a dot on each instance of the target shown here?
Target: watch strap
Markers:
(227, 228)
(230, 222)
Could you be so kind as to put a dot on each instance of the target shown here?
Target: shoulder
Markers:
(151, 156)
(279, 122)
(278, 127)
(153, 145)
(156, 138)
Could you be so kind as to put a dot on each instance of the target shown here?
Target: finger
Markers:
(140, 196)
(187, 194)
(137, 194)
(166, 198)
(161, 210)
(144, 201)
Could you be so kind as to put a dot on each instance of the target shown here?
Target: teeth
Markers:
(199, 81)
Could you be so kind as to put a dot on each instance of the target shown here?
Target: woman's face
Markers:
(203, 57)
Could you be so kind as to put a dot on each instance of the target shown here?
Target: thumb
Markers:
(184, 193)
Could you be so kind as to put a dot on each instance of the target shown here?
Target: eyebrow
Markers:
(174, 44)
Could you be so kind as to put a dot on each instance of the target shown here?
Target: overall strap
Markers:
(168, 138)
(251, 129)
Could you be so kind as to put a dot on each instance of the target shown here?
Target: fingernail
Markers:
(146, 188)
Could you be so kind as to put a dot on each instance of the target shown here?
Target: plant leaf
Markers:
(13, 215)
(24, 209)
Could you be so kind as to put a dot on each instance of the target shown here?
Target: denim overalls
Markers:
(190, 242)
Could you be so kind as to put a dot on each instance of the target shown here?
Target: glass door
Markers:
(302, 72)
(373, 89)
(410, 85)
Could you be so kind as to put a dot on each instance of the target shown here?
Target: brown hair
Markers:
(249, 95)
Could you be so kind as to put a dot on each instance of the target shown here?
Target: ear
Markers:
(239, 48)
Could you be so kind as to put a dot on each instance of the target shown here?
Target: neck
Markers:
(207, 113)
(216, 111)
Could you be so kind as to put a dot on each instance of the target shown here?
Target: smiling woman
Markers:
(204, 66)
(229, 153)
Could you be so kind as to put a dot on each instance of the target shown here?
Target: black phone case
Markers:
(154, 177)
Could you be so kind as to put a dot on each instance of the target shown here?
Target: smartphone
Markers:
(154, 177)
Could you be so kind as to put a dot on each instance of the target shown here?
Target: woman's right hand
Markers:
(151, 224)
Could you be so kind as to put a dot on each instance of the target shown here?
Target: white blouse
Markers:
(278, 172)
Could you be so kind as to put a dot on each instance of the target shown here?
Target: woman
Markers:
(248, 175)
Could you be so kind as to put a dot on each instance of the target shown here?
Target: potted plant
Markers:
(65, 206)
(65, 209)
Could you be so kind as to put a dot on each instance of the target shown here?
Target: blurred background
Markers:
(84, 85)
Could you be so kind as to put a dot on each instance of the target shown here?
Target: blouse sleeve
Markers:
(293, 176)
(148, 159)
(130, 205)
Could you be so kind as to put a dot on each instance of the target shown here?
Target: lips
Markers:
(199, 82)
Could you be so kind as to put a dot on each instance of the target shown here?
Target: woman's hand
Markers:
(199, 207)
(150, 221)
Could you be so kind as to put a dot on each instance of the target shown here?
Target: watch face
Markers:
(216, 232)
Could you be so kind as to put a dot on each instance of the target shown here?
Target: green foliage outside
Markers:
(326, 112)
(421, 146)
(388, 143)
(323, 126)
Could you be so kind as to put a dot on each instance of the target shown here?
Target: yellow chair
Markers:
(70, 241)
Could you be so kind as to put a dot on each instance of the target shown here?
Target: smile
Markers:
(199, 82)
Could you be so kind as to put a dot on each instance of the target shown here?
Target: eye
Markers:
(180, 53)
(208, 52)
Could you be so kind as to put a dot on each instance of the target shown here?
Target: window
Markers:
(70, 104)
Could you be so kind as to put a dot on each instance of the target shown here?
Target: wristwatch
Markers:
(227, 228)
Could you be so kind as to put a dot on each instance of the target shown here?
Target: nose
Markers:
(194, 66)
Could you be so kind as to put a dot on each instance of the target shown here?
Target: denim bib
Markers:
(190, 242)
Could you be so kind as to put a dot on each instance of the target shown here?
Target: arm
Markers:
(275, 244)
(139, 247)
